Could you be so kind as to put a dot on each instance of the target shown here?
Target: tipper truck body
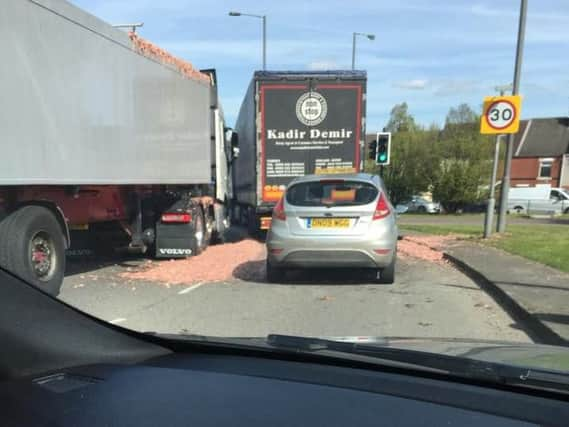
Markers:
(107, 141)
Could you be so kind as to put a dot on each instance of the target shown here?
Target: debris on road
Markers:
(216, 264)
(427, 248)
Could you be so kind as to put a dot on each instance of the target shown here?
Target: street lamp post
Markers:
(510, 145)
(354, 35)
(264, 19)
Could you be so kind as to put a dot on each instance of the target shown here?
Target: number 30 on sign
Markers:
(501, 114)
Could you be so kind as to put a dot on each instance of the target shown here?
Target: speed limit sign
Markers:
(501, 114)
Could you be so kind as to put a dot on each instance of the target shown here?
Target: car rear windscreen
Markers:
(331, 193)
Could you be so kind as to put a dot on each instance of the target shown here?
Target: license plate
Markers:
(328, 222)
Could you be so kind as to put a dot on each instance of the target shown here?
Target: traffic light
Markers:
(372, 150)
(383, 149)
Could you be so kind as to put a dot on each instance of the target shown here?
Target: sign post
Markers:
(501, 115)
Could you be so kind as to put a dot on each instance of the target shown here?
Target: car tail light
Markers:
(278, 211)
(183, 218)
(381, 209)
(276, 251)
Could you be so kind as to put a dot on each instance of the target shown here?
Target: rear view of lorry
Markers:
(293, 124)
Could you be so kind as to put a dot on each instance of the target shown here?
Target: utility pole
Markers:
(489, 218)
(501, 227)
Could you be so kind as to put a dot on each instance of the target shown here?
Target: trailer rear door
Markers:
(308, 126)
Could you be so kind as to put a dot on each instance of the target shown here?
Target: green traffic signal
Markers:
(383, 148)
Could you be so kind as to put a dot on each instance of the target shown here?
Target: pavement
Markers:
(536, 295)
(429, 299)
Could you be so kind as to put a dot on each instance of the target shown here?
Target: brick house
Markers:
(541, 153)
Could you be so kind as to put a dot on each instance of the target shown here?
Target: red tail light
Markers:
(381, 209)
(278, 211)
(176, 217)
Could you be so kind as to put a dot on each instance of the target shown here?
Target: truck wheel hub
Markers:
(42, 256)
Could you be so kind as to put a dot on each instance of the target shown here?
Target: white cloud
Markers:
(451, 87)
(322, 65)
(414, 84)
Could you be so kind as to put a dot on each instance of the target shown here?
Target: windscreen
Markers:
(150, 195)
(331, 193)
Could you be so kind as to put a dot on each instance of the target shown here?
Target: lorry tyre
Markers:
(252, 226)
(199, 232)
(221, 219)
(209, 217)
(32, 246)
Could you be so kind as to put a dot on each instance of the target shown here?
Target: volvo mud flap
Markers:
(174, 240)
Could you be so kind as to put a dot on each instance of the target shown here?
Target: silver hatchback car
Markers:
(333, 221)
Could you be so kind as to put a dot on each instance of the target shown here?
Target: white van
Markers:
(538, 200)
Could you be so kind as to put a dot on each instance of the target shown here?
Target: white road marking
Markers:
(118, 320)
(190, 289)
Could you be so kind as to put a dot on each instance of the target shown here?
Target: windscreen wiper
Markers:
(462, 367)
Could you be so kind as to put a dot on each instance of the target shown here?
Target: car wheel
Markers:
(274, 274)
(32, 246)
(422, 209)
(386, 275)
(519, 210)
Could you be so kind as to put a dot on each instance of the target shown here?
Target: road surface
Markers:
(429, 299)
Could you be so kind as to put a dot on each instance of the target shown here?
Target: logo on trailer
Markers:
(311, 108)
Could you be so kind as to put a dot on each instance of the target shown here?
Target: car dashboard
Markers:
(214, 390)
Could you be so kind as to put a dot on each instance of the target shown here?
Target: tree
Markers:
(461, 115)
(400, 120)
(411, 150)
(464, 160)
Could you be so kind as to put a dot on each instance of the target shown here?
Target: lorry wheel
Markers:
(200, 233)
(32, 246)
(252, 226)
(221, 219)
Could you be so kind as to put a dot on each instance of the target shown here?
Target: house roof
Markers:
(547, 137)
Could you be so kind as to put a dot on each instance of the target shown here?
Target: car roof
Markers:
(345, 176)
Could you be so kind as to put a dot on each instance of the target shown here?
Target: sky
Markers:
(432, 54)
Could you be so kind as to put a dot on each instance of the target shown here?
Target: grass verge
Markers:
(548, 244)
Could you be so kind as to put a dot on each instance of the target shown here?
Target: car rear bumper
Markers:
(300, 251)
